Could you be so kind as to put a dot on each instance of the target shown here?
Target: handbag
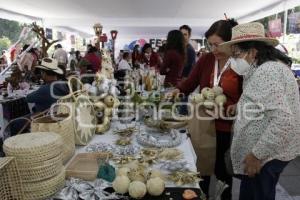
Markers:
(62, 125)
(81, 110)
(203, 138)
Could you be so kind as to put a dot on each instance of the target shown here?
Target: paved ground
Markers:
(288, 187)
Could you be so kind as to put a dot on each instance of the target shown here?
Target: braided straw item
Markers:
(44, 189)
(11, 187)
(38, 155)
(33, 146)
(63, 126)
(47, 169)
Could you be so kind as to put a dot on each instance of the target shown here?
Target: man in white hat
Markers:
(267, 128)
(53, 88)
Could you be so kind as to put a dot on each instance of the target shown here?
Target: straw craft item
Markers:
(84, 120)
(47, 170)
(79, 106)
(62, 125)
(44, 189)
(38, 155)
(11, 187)
(33, 147)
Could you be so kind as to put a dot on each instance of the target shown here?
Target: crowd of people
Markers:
(244, 63)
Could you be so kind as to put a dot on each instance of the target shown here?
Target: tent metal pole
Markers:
(285, 22)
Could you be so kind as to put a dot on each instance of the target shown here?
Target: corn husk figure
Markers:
(104, 93)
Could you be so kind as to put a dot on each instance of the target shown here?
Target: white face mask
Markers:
(240, 65)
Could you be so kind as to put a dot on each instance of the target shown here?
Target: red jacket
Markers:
(172, 67)
(153, 62)
(94, 60)
(202, 75)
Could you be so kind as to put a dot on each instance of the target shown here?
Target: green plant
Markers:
(4, 43)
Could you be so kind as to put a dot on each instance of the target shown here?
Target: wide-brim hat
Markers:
(254, 31)
(50, 64)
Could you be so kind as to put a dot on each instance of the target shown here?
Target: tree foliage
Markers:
(10, 29)
(4, 43)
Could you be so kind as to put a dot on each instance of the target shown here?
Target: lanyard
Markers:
(216, 77)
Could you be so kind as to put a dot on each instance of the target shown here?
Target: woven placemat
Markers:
(32, 143)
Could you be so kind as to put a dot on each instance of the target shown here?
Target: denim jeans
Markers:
(263, 185)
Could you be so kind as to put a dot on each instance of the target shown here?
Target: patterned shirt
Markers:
(268, 119)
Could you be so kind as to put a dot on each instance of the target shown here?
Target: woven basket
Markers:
(11, 187)
(44, 189)
(48, 169)
(75, 84)
(84, 120)
(63, 126)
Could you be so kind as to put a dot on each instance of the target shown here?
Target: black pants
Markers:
(223, 144)
(263, 185)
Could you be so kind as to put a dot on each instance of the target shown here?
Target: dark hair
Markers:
(265, 52)
(58, 46)
(221, 28)
(146, 46)
(186, 27)
(92, 49)
(26, 47)
(162, 48)
(175, 40)
(49, 72)
(125, 55)
(136, 48)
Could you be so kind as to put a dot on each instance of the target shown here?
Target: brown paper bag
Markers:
(203, 137)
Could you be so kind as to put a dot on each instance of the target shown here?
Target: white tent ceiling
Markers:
(141, 18)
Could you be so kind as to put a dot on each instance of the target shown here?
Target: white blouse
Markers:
(268, 119)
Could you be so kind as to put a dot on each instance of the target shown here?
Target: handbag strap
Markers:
(28, 121)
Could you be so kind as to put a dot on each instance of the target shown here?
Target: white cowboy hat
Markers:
(254, 31)
(50, 65)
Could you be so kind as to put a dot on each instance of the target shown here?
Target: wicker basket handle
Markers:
(77, 81)
(28, 121)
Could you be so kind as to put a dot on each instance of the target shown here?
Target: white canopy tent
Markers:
(144, 18)
(136, 19)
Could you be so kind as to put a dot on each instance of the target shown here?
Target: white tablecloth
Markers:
(186, 147)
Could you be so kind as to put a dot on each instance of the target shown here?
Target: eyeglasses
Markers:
(212, 46)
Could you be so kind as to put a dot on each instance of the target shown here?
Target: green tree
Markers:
(4, 43)
(10, 29)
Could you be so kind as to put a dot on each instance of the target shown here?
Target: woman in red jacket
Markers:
(174, 57)
(93, 59)
(149, 58)
(213, 69)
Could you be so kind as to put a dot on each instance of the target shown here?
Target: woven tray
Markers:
(85, 165)
(44, 189)
(47, 170)
(11, 187)
(32, 144)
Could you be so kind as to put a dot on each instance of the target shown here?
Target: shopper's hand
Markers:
(252, 165)
(172, 94)
(213, 113)
(231, 110)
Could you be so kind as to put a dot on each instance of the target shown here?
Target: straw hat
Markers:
(247, 32)
(50, 64)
